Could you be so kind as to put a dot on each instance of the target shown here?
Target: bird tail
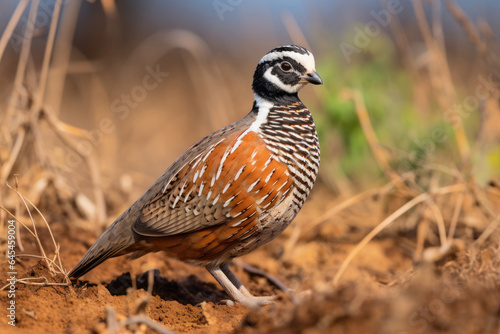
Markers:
(117, 240)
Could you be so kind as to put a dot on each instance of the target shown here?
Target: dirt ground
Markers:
(383, 291)
(419, 275)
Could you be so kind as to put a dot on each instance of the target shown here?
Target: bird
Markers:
(234, 190)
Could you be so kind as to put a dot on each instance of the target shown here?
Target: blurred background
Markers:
(98, 98)
(420, 93)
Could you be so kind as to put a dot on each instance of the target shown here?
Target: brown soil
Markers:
(383, 290)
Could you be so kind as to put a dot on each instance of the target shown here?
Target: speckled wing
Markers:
(233, 181)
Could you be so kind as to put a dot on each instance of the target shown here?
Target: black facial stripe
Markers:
(296, 66)
(270, 91)
(288, 78)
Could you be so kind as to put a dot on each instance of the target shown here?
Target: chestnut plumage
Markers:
(234, 190)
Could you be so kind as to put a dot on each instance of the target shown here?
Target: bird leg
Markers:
(235, 289)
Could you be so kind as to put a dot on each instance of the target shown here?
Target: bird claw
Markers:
(227, 302)
(250, 301)
(256, 302)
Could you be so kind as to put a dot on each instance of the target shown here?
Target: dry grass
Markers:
(53, 262)
(441, 80)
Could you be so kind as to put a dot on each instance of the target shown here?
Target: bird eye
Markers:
(285, 66)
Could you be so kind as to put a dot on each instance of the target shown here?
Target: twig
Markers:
(401, 41)
(72, 130)
(340, 207)
(493, 190)
(48, 259)
(434, 254)
(34, 233)
(293, 29)
(439, 219)
(139, 319)
(38, 98)
(7, 167)
(456, 214)
(34, 225)
(469, 28)
(389, 220)
(371, 137)
(485, 29)
(114, 325)
(49, 47)
(488, 231)
(23, 57)
(386, 222)
(256, 271)
(28, 281)
(18, 87)
(56, 245)
(17, 219)
(19, 239)
(450, 189)
(61, 54)
(483, 202)
(437, 26)
(111, 321)
(38, 139)
(89, 160)
(9, 29)
(291, 242)
(30, 119)
(444, 169)
(409, 61)
(441, 81)
(422, 229)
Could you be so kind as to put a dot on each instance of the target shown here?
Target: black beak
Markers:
(313, 78)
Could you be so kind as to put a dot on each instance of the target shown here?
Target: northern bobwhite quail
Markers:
(234, 190)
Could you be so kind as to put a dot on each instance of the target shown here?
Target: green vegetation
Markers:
(409, 135)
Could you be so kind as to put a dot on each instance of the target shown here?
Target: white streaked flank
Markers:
(201, 189)
(253, 185)
(221, 165)
(270, 175)
(203, 169)
(188, 193)
(239, 172)
(235, 146)
(216, 199)
(226, 203)
(195, 177)
(226, 187)
(263, 198)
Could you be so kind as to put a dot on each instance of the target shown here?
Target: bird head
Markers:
(282, 72)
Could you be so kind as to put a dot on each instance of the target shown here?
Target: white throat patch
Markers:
(264, 107)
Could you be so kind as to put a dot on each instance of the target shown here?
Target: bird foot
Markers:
(256, 302)
(250, 301)
(227, 302)
(236, 290)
